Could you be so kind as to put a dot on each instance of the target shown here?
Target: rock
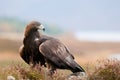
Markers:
(77, 76)
(10, 78)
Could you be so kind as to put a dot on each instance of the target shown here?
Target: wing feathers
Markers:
(55, 51)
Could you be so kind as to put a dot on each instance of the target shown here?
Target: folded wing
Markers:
(58, 55)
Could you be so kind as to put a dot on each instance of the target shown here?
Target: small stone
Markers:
(10, 78)
(77, 76)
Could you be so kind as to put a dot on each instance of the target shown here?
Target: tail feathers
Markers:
(77, 69)
(74, 67)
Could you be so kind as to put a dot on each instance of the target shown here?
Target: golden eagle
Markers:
(38, 48)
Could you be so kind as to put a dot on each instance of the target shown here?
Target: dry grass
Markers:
(106, 70)
(103, 70)
(23, 72)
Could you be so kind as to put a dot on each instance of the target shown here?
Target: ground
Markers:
(86, 54)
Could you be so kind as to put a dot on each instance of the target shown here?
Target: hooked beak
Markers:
(41, 27)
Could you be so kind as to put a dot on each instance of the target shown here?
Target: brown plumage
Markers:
(38, 48)
(29, 51)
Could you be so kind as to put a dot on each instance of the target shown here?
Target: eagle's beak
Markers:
(41, 27)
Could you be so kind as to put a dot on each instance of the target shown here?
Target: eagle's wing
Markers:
(24, 55)
(54, 51)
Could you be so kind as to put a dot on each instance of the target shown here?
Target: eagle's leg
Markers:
(51, 70)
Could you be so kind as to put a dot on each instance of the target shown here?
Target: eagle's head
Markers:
(33, 27)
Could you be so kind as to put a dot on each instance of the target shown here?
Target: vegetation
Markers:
(104, 70)
(23, 72)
